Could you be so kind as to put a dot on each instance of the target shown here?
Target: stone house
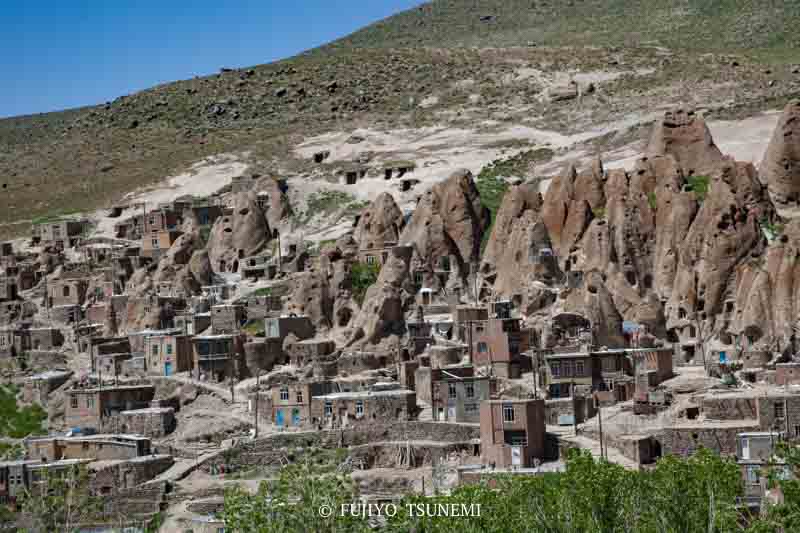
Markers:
(309, 350)
(156, 421)
(219, 357)
(512, 433)
(227, 318)
(167, 353)
(363, 408)
(754, 453)
(565, 372)
(90, 407)
(261, 307)
(787, 373)
(105, 350)
(45, 338)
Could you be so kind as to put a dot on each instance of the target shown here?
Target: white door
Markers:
(745, 449)
(516, 456)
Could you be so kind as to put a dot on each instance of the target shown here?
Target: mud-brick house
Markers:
(499, 343)
(755, 455)
(66, 292)
(97, 447)
(59, 233)
(512, 432)
(290, 403)
(156, 243)
(46, 338)
(363, 408)
(280, 327)
(219, 357)
(89, 408)
(458, 399)
(37, 388)
(8, 289)
(227, 318)
(167, 353)
(191, 323)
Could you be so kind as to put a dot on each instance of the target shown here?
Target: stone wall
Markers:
(273, 448)
(728, 407)
(112, 476)
(153, 422)
(685, 440)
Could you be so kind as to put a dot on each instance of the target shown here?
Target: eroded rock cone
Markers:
(780, 168)
(683, 134)
(380, 224)
(241, 234)
(449, 222)
(383, 313)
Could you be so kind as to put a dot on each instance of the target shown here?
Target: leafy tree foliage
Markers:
(362, 277)
(60, 501)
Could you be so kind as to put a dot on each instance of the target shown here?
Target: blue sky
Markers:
(58, 54)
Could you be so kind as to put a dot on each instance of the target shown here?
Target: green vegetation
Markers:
(327, 202)
(699, 186)
(254, 328)
(362, 277)
(697, 494)
(492, 187)
(263, 291)
(773, 228)
(599, 212)
(61, 503)
(651, 200)
(19, 422)
(205, 233)
(54, 216)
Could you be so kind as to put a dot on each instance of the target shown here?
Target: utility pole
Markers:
(600, 423)
(280, 258)
(258, 377)
(475, 281)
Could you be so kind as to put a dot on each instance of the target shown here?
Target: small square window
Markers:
(508, 413)
(451, 390)
(284, 394)
(779, 410)
(73, 401)
(360, 408)
(469, 390)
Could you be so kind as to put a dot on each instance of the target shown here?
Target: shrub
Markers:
(362, 277)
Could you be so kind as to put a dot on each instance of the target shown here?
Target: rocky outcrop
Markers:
(380, 224)
(383, 312)
(310, 296)
(446, 231)
(780, 169)
(683, 134)
(594, 302)
(234, 236)
(277, 207)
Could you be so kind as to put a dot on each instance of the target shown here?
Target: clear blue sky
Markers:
(58, 54)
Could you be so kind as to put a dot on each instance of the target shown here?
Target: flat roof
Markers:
(112, 387)
(100, 436)
(364, 394)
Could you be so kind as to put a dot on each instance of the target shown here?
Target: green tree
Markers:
(292, 502)
(59, 501)
(362, 277)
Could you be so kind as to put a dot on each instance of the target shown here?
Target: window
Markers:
(169, 349)
(555, 369)
(155, 349)
(470, 390)
(284, 394)
(154, 242)
(90, 401)
(471, 407)
(479, 328)
(65, 291)
(779, 411)
(328, 408)
(152, 221)
(567, 368)
(418, 278)
(508, 413)
(482, 347)
(73, 401)
(370, 259)
(444, 263)
(752, 474)
(797, 431)
(299, 396)
(579, 368)
(451, 390)
(85, 445)
(360, 408)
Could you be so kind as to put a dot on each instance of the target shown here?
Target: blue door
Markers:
(167, 369)
(279, 417)
(722, 357)
(295, 417)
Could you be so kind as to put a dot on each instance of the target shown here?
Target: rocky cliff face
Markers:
(380, 224)
(780, 169)
(677, 244)
(242, 233)
(446, 231)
